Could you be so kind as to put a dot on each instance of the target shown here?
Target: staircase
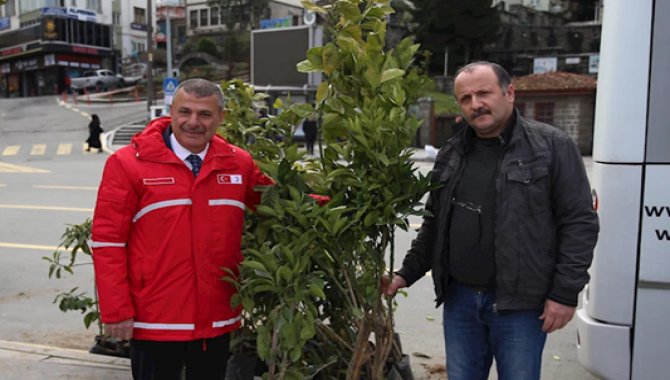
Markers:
(123, 134)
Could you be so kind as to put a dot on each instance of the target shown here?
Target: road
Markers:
(47, 180)
(42, 192)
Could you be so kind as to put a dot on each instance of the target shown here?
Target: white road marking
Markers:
(64, 149)
(38, 150)
(57, 187)
(46, 208)
(9, 168)
(11, 150)
(31, 246)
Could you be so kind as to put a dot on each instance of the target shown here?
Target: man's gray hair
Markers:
(201, 88)
(504, 79)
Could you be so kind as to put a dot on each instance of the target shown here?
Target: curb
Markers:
(42, 353)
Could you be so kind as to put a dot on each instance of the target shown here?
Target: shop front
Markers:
(35, 61)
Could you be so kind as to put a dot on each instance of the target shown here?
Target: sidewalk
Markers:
(28, 361)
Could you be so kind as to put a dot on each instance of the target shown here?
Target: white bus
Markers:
(623, 327)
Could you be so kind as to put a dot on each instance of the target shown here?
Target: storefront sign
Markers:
(49, 29)
(49, 60)
(5, 23)
(54, 12)
(283, 22)
(77, 61)
(75, 13)
(26, 64)
(544, 65)
(81, 14)
(138, 26)
(11, 51)
(84, 50)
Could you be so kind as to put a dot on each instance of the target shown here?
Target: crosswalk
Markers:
(58, 149)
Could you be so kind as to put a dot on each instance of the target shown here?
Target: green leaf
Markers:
(307, 332)
(390, 74)
(348, 10)
(331, 59)
(371, 218)
(315, 57)
(278, 104)
(285, 273)
(295, 194)
(310, 6)
(254, 265)
(305, 67)
(89, 318)
(322, 91)
(317, 291)
(267, 211)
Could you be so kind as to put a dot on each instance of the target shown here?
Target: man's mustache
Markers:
(480, 112)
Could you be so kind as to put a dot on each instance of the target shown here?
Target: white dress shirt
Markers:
(182, 152)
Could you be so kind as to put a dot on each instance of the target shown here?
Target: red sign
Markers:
(11, 51)
(85, 50)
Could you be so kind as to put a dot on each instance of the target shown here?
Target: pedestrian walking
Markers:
(167, 227)
(94, 132)
(310, 128)
(510, 234)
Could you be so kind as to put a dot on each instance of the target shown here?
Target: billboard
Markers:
(276, 52)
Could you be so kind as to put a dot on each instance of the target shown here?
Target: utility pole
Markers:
(168, 33)
(150, 58)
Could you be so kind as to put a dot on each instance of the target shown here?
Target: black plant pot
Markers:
(244, 367)
(105, 345)
(401, 370)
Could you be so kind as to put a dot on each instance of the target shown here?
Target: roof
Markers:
(554, 81)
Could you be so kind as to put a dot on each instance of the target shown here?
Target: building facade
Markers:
(533, 42)
(44, 41)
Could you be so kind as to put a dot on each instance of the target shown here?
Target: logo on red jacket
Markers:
(229, 179)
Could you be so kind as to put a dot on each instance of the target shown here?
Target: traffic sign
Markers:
(169, 87)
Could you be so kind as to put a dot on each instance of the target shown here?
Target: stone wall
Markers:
(573, 113)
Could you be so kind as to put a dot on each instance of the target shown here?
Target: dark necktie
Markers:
(196, 163)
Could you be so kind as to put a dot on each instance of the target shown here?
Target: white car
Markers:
(97, 79)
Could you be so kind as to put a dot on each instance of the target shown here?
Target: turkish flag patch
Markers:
(229, 179)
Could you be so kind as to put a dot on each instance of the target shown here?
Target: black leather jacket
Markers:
(545, 224)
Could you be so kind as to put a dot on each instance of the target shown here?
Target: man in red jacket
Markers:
(168, 220)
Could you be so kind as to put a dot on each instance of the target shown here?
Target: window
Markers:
(204, 20)
(93, 5)
(138, 47)
(116, 18)
(214, 16)
(544, 112)
(139, 15)
(193, 17)
(522, 108)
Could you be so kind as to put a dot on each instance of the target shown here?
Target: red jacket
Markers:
(162, 237)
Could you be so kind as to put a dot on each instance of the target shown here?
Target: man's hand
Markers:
(556, 316)
(390, 287)
(122, 330)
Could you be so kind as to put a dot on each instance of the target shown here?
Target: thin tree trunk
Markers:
(361, 353)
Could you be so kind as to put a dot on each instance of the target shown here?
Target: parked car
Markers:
(97, 79)
(135, 73)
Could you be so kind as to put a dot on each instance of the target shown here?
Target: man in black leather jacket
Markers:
(511, 234)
